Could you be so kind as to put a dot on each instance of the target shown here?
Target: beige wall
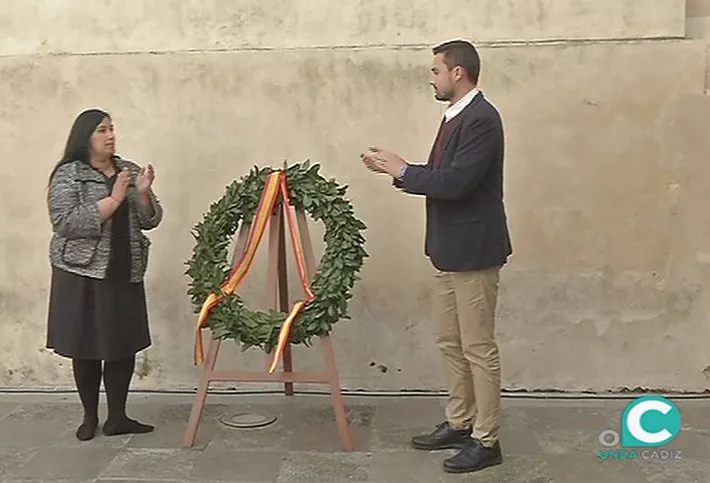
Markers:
(38, 27)
(698, 27)
(606, 184)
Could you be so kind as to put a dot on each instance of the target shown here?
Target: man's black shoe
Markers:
(443, 437)
(474, 457)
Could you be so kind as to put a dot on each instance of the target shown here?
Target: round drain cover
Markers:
(246, 420)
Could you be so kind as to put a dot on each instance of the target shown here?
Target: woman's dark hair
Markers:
(78, 147)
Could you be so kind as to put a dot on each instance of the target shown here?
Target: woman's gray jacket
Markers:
(81, 244)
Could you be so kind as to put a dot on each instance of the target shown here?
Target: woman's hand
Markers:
(120, 188)
(144, 181)
(145, 178)
(109, 205)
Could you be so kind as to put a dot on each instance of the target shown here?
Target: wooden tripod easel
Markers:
(277, 286)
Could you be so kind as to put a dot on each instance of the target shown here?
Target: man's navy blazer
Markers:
(466, 223)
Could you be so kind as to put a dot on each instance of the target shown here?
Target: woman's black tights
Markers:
(117, 378)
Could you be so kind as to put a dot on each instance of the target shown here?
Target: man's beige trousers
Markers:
(465, 306)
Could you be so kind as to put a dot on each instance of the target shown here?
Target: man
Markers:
(467, 241)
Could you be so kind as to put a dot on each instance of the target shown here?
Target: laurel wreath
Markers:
(324, 200)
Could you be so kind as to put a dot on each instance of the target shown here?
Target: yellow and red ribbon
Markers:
(275, 185)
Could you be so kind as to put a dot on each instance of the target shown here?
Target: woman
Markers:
(99, 204)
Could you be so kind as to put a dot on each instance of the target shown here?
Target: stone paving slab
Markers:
(69, 463)
(543, 441)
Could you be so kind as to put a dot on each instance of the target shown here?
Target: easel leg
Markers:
(272, 272)
(199, 405)
(338, 403)
(282, 277)
(331, 365)
(288, 367)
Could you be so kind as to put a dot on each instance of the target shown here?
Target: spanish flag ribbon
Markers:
(285, 333)
(275, 185)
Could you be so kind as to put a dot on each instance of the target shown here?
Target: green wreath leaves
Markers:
(335, 276)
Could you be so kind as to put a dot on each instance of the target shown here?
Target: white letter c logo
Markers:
(633, 421)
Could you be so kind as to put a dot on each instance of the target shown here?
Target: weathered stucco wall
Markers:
(37, 26)
(606, 172)
(698, 27)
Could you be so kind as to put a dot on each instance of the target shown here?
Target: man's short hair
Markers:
(461, 53)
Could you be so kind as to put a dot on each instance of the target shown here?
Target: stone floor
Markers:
(544, 441)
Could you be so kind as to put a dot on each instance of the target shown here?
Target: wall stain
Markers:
(144, 367)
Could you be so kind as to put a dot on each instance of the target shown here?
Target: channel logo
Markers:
(647, 422)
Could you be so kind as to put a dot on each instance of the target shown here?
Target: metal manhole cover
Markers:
(246, 420)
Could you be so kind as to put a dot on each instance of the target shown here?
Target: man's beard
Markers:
(442, 96)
